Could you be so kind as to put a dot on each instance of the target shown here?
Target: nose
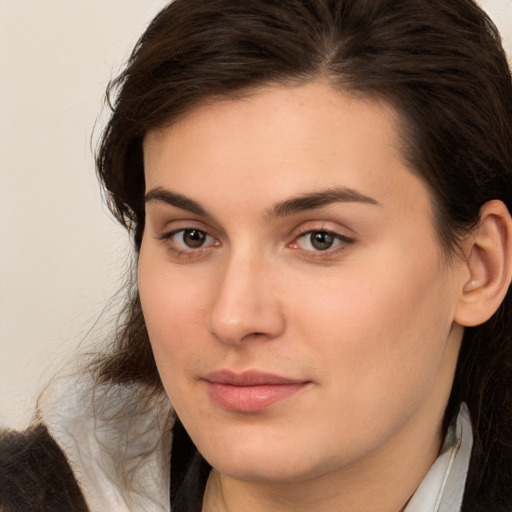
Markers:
(245, 305)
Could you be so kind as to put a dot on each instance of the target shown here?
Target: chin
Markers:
(261, 459)
(265, 470)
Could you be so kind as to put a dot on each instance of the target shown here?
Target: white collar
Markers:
(117, 441)
(442, 489)
(120, 453)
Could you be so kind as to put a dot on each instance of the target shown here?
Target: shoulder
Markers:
(35, 475)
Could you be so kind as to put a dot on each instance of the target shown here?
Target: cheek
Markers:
(172, 309)
(382, 331)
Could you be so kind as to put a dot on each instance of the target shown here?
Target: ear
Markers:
(488, 252)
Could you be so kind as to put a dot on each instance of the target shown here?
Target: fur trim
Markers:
(35, 475)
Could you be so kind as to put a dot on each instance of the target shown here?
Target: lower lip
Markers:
(251, 398)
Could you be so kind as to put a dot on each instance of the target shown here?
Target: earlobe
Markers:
(489, 260)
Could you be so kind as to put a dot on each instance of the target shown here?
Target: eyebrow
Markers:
(178, 200)
(312, 200)
(304, 202)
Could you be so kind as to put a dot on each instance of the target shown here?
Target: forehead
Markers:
(280, 142)
(305, 119)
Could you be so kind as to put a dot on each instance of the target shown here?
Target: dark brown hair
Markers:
(440, 63)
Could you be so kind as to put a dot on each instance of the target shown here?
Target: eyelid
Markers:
(335, 234)
(166, 236)
(307, 229)
(331, 227)
(171, 233)
(167, 225)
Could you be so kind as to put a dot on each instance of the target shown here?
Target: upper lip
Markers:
(249, 378)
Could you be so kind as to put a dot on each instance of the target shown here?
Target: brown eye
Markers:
(321, 240)
(188, 242)
(193, 238)
(318, 241)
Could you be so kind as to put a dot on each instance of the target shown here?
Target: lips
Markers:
(250, 391)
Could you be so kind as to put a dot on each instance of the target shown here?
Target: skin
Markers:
(368, 323)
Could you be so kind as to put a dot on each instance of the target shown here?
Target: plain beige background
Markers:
(61, 256)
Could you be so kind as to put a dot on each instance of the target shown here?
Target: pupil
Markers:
(322, 240)
(193, 238)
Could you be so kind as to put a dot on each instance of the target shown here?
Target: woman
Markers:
(319, 197)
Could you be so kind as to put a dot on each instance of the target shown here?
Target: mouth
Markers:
(250, 391)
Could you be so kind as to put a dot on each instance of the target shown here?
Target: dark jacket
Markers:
(35, 475)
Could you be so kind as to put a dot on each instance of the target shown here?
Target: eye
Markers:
(189, 239)
(319, 241)
(192, 238)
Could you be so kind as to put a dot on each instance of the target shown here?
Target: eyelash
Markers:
(341, 242)
(185, 252)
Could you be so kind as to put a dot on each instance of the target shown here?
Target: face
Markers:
(298, 303)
